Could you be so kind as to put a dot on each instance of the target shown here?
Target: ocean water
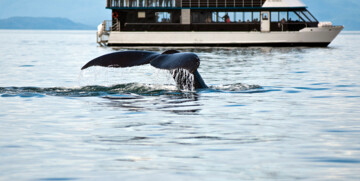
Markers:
(270, 113)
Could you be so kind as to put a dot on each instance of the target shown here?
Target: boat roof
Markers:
(284, 4)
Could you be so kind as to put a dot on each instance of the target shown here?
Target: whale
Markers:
(182, 65)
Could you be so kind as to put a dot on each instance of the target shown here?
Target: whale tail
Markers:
(182, 66)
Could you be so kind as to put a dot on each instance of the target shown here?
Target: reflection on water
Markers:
(175, 103)
(131, 96)
(269, 114)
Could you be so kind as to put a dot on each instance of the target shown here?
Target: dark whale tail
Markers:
(183, 66)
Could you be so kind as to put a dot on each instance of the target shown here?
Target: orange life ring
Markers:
(115, 15)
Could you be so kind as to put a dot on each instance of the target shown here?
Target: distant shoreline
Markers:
(42, 23)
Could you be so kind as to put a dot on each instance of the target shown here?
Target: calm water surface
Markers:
(271, 113)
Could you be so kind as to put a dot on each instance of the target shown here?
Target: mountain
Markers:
(42, 23)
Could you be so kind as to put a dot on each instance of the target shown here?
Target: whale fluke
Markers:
(171, 52)
(183, 66)
(188, 61)
(122, 59)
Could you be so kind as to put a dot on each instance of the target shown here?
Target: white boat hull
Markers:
(321, 36)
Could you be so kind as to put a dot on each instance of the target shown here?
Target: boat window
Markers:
(275, 16)
(133, 3)
(248, 16)
(302, 16)
(201, 17)
(283, 16)
(231, 16)
(256, 16)
(141, 3)
(185, 3)
(308, 15)
(265, 16)
(239, 17)
(166, 3)
(151, 3)
(127, 3)
(222, 16)
(169, 3)
(293, 17)
(163, 17)
(219, 17)
(207, 17)
(214, 17)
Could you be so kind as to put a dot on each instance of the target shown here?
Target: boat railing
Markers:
(232, 3)
(107, 25)
(214, 23)
(115, 25)
(182, 3)
(111, 25)
(254, 26)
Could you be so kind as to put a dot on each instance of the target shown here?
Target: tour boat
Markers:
(214, 23)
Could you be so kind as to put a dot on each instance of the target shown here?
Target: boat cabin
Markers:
(209, 15)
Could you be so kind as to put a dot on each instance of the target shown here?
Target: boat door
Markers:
(265, 21)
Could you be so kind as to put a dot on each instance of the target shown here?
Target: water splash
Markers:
(184, 79)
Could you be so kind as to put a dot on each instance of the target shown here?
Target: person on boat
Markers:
(226, 18)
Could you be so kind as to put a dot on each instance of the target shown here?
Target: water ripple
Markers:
(311, 88)
(57, 179)
(120, 91)
(336, 160)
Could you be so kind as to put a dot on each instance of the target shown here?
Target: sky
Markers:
(89, 12)
(340, 12)
(93, 12)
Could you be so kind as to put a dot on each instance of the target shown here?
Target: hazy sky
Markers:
(92, 12)
(340, 12)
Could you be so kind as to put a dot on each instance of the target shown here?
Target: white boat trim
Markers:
(306, 37)
(284, 4)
